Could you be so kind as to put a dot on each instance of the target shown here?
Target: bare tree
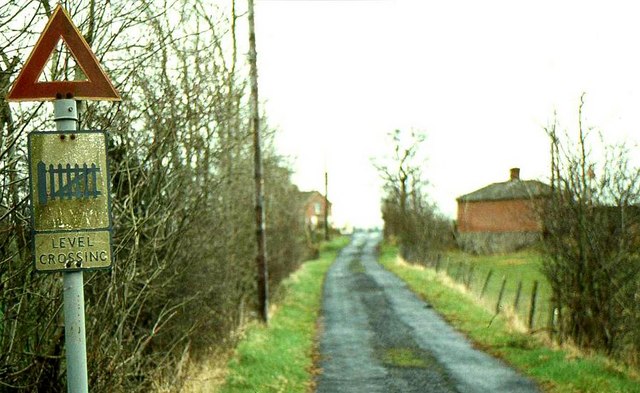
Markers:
(408, 214)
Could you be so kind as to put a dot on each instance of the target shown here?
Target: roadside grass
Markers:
(279, 357)
(523, 266)
(555, 370)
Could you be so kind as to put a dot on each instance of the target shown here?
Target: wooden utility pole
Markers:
(261, 259)
(326, 206)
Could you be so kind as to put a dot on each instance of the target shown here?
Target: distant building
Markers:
(501, 217)
(313, 211)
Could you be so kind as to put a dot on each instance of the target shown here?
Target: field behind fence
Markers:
(504, 283)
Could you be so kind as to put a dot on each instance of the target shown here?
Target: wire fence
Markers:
(527, 299)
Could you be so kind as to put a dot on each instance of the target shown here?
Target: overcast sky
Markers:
(481, 79)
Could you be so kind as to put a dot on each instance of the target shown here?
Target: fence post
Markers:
(504, 282)
(516, 302)
(552, 322)
(470, 276)
(457, 277)
(560, 333)
(438, 259)
(486, 283)
(532, 309)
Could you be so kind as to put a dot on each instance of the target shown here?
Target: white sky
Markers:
(481, 78)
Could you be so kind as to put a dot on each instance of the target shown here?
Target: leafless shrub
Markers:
(591, 241)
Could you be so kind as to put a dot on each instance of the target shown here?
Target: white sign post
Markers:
(66, 117)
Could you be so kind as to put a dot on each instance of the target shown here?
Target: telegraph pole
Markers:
(261, 259)
(326, 205)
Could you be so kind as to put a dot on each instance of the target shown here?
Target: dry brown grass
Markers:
(209, 375)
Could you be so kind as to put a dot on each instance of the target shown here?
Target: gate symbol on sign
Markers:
(69, 182)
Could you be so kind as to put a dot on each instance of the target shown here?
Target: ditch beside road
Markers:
(377, 336)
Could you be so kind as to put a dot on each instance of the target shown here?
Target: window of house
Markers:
(317, 207)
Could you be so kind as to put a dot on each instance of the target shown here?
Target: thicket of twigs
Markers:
(410, 218)
(183, 197)
(592, 224)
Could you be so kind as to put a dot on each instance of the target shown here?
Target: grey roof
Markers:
(513, 189)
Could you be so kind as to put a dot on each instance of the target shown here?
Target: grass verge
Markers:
(522, 267)
(278, 358)
(555, 370)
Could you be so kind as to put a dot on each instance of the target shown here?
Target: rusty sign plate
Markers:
(70, 200)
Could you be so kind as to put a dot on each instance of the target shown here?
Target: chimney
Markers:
(515, 174)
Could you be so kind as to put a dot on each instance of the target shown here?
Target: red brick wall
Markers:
(498, 216)
(310, 211)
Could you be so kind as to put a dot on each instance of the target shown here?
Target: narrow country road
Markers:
(379, 337)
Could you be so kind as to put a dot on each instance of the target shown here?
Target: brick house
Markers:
(501, 217)
(313, 209)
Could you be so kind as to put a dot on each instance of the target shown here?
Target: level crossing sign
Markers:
(70, 201)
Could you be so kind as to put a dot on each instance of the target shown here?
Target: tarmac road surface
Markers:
(379, 337)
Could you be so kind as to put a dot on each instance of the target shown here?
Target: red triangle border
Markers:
(97, 86)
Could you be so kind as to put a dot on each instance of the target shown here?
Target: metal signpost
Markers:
(69, 180)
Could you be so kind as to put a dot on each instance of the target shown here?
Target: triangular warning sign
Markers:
(97, 86)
